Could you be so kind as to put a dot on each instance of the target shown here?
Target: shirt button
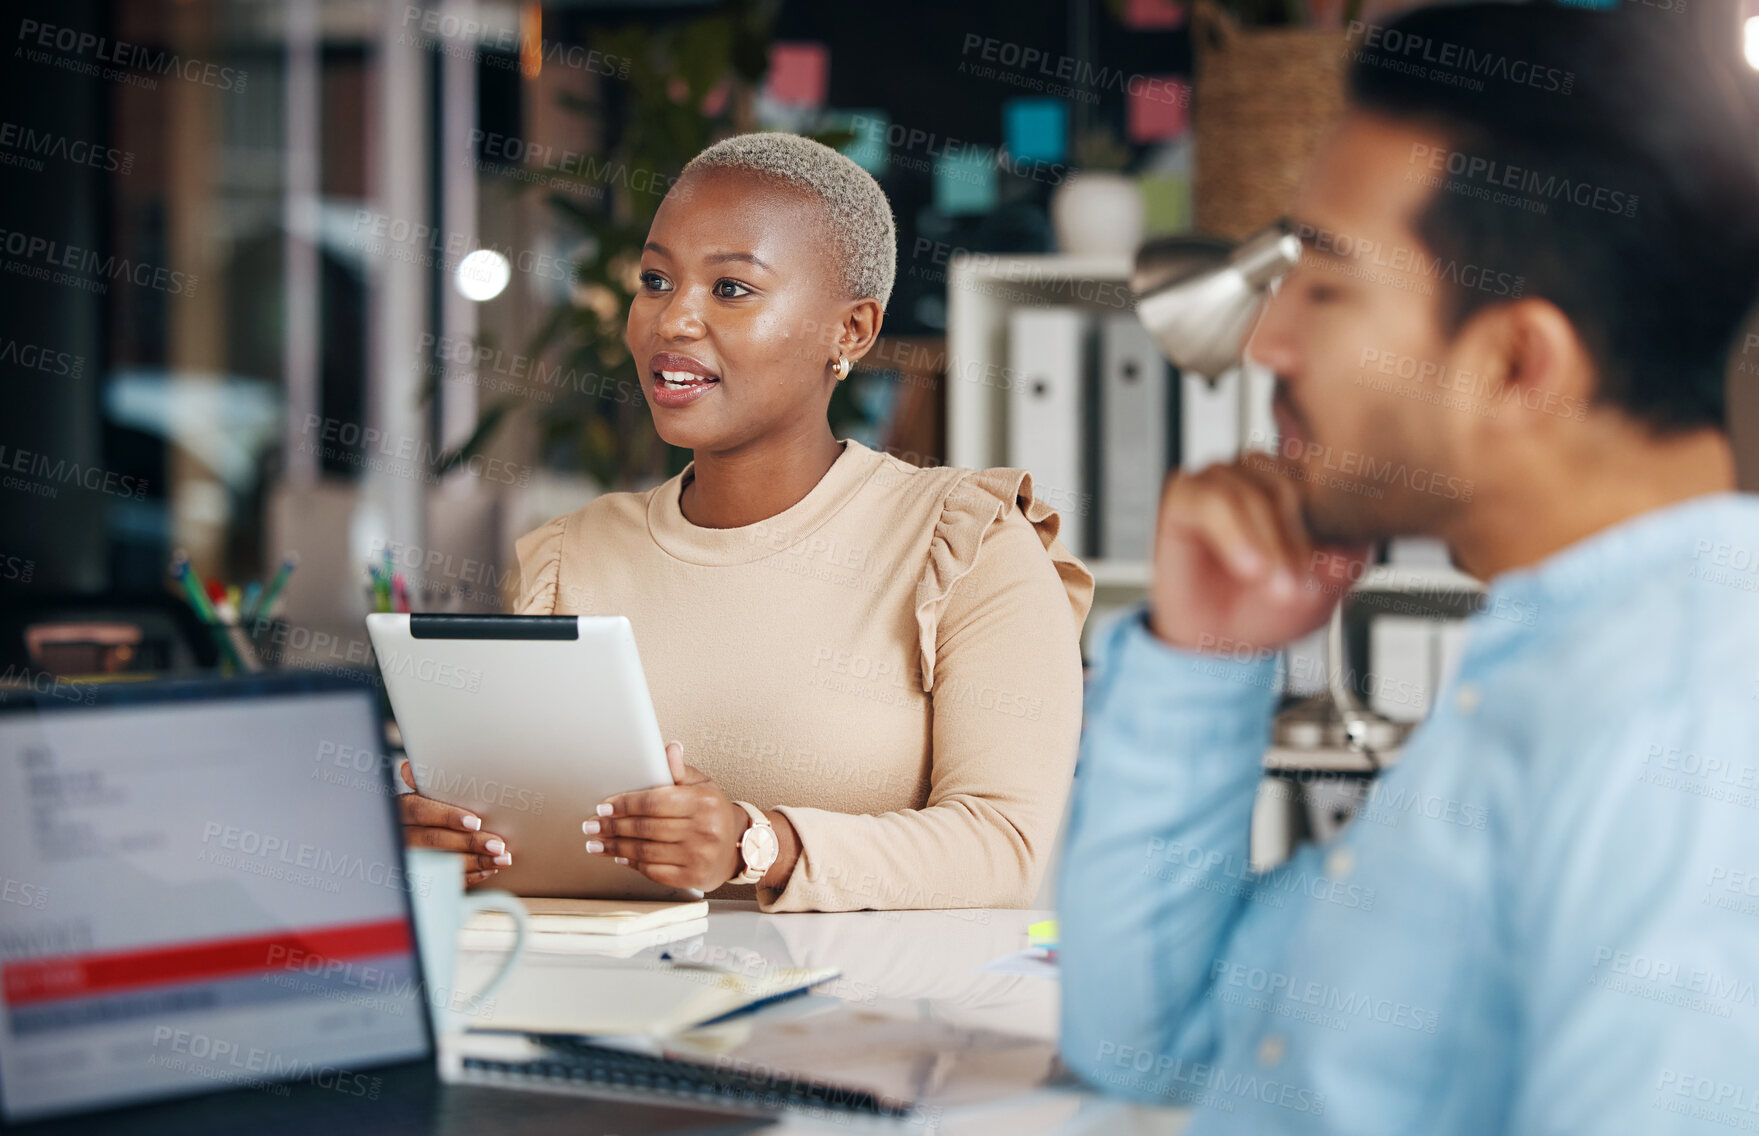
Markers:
(1466, 700)
(1270, 1051)
(1340, 863)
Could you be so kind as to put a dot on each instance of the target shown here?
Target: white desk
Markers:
(913, 1012)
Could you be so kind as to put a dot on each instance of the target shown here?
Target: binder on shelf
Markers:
(1209, 419)
(1047, 349)
(1450, 645)
(1132, 444)
(1424, 551)
(1305, 673)
(1257, 424)
(1401, 669)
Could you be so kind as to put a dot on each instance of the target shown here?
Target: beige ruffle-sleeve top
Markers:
(893, 663)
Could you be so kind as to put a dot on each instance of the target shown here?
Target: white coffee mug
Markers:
(436, 885)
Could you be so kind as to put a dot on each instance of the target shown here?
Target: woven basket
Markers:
(1263, 98)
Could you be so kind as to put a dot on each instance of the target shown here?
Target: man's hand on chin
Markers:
(1234, 563)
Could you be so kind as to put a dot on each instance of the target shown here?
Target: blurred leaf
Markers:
(485, 425)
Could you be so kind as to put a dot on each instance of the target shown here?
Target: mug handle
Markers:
(495, 899)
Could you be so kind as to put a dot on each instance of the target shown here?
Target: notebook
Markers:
(499, 936)
(597, 916)
(598, 997)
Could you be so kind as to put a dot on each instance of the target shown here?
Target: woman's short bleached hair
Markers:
(857, 212)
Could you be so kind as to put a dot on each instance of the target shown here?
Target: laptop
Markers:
(201, 888)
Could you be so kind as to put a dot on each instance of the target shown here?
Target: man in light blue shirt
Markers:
(1510, 328)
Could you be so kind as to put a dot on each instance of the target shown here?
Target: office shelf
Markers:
(1380, 579)
(1417, 578)
(1113, 575)
(981, 290)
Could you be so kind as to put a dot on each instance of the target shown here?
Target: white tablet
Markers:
(528, 721)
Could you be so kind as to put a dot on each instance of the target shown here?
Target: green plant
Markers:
(1099, 150)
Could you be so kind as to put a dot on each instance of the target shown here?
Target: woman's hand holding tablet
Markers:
(684, 835)
(515, 726)
(428, 823)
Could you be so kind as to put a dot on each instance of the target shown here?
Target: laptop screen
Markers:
(201, 887)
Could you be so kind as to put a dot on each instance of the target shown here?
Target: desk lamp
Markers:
(1199, 297)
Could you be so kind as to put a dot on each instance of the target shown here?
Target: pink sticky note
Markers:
(1154, 15)
(716, 100)
(798, 73)
(1160, 107)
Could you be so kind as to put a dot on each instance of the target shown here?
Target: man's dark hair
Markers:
(1630, 129)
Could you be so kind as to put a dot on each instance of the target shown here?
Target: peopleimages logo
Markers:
(52, 686)
(1071, 70)
(1402, 260)
(232, 846)
(448, 675)
(232, 1061)
(34, 896)
(401, 454)
(524, 374)
(61, 364)
(121, 53)
(54, 254)
(1479, 393)
(1355, 471)
(464, 38)
(32, 464)
(1203, 1083)
(920, 149)
(511, 150)
(35, 144)
(1521, 180)
(1283, 987)
(1450, 62)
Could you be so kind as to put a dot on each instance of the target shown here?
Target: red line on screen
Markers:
(28, 981)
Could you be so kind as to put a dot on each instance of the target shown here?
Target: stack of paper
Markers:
(589, 926)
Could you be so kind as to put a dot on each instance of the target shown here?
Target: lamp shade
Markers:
(1200, 296)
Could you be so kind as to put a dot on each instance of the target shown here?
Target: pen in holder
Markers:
(236, 654)
(242, 624)
(386, 590)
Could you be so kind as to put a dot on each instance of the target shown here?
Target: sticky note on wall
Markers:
(1166, 203)
(1159, 107)
(799, 73)
(869, 148)
(965, 183)
(1154, 15)
(1036, 130)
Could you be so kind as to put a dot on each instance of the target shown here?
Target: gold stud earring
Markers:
(841, 366)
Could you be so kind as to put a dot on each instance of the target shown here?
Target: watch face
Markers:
(759, 847)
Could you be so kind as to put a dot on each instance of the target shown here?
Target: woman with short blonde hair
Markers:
(874, 668)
